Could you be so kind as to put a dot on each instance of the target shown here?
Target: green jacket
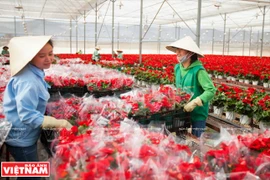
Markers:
(194, 79)
(96, 55)
(5, 52)
(120, 55)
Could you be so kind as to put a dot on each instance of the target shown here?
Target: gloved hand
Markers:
(51, 122)
(192, 104)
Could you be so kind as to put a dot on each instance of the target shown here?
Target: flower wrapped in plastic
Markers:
(5, 127)
(65, 108)
(239, 156)
(136, 99)
(109, 153)
(109, 109)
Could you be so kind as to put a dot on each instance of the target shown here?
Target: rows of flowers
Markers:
(94, 77)
(70, 61)
(125, 151)
(251, 102)
(240, 67)
(143, 101)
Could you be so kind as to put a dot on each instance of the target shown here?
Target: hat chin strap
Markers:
(185, 57)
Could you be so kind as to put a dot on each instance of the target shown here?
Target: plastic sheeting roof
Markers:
(48, 9)
(183, 13)
(240, 13)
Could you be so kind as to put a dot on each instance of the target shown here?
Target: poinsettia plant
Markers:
(220, 98)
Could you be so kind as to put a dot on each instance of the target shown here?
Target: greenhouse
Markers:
(135, 89)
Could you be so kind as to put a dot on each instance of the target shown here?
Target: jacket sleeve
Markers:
(207, 85)
(27, 99)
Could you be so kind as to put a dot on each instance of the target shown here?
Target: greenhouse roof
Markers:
(183, 13)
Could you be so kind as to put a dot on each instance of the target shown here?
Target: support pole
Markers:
(159, 38)
(70, 35)
(198, 29)
(262, 32)
(44, 26)
(140, 36)
(96, 11)
(113, 1)
(175, 32)
(179, 32)
(84, 28)
(76, 35)
(224, 34)
(250, 37)
(118, 36)
(258, 41)
(213, 40)
(229, 38)
(15, 30)
(243, 48)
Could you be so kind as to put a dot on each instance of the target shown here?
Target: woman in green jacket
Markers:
(120, 54)
(96, 55)
(191, 76)
(5, 51)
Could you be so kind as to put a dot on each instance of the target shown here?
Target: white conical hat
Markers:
(97, 47)
(23, 49)
(185, 43)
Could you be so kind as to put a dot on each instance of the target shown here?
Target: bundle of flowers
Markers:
(154, 99)
(59, 76)
(105, 111)
(241, 157)
(128, 152)
(4, 77)
(2, 116)
(71, 61)
(94, 77)
(4, 60)
(124, 152)
(110, 82)
(65, 108)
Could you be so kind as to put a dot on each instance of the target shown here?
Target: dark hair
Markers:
(5, 47)
(193, 58)
(50, 42)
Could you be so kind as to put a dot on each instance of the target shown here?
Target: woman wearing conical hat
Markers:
(26, 95)
(96, 54)
(191, 76)
(120, 54)
(5, 51)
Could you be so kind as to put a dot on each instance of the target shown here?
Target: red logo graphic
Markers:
(25, 169)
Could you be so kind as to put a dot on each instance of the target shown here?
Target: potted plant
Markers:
(219, 102)
(262, 111)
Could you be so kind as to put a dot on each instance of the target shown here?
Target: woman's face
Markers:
(44, 57)
(180, 52)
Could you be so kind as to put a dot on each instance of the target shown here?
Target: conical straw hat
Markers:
(23, 50)
(185, 43)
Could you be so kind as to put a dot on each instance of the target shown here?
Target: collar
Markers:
(40, 73)
(196, 63)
